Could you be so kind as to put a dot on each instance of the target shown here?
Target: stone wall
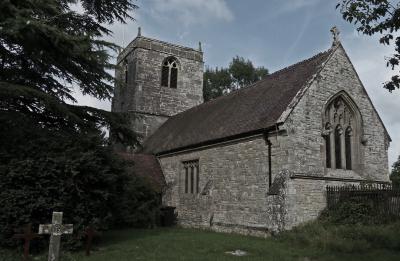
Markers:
(145, 124)
(238, 200)
(143, 96)
(305, 146)
(306, 198)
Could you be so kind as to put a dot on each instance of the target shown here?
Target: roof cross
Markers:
(335, 32)
(55, 229)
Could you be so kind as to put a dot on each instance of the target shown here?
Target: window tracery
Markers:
(341, 132)
(169, 73)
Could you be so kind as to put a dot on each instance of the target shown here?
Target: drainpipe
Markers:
(269, 144)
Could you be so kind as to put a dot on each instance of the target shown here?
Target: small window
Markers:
(169, 73)
(191, 177)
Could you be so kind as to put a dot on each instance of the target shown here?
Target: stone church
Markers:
(258, 160)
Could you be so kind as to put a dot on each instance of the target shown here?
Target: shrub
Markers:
(76, 173)
(351, 212)
(344, 238)
(138, 206)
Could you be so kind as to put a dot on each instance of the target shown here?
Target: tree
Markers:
(76, 174)
(46, 48)
(240, 73)
(244, 73)
(216, 83)
(54, 155)
(377, 17)
(395, 175)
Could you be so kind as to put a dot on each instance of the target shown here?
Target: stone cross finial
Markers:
(139, 32)
(335, 32)
(55, 229)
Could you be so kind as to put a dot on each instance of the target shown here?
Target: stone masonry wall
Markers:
(147, 102)
(305, 147)
(306, 198)
(238, 200)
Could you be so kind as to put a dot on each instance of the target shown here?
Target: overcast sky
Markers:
(271, 33)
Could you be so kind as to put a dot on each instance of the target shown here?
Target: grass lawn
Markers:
(188, 244)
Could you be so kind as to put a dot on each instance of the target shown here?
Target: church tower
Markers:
(156, 80)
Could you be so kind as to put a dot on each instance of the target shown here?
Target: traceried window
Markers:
(191, 177)
(342, 130)
(169, 73)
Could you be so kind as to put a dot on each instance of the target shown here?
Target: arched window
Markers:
(169, 73)
(342, 132)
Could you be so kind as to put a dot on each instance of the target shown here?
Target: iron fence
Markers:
(382, 198)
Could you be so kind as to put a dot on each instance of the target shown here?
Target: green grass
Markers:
(314, 241)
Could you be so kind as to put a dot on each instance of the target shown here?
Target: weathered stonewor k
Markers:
(55, 229)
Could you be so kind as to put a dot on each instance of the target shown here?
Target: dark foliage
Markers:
(239, 74)
(216, 83)
(350, 212)
(342, 238)
(47, 48)
(395, 175)
(377, 17)
(139, 205)
(54, 156)
(46, 44)
(356, 211)
(43, 171)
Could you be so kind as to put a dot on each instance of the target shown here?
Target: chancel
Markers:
(257, 160)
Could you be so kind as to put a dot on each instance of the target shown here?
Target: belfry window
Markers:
(342, 128)
(169, 73)
(191, 177)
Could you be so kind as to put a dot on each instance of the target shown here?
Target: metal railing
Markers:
(383, 199)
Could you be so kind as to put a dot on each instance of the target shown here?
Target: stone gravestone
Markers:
(27, 236)
(55, 229)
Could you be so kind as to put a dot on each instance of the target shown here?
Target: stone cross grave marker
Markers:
(27, 236)
(55, 229)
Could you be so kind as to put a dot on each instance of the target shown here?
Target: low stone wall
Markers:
(306, 197)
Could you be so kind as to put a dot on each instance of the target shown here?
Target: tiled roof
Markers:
(148, 167)
(254, 108)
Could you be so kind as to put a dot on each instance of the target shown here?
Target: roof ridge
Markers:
(287, 68)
